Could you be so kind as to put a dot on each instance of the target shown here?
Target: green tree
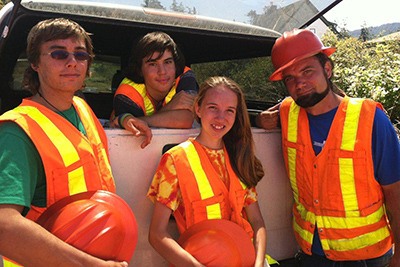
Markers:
(153, 4)
(177, 7)
(365, 34)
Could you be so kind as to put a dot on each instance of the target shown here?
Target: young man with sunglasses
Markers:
(52, 146)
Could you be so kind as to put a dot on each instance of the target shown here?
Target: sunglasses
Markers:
(62, 54)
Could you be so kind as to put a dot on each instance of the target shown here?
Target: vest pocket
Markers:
(209, 208)
(71, 180)
(345, 173)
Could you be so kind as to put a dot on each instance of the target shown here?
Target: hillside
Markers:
(379, 31)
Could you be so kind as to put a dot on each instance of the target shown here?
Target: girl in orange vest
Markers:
(212, 176)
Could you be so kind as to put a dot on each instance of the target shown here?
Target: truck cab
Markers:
(211, 35)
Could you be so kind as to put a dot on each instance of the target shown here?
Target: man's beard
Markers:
(310, 100)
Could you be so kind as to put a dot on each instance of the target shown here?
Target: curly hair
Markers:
(239, 140)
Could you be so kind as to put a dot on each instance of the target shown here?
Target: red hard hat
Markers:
(294, 46)
(218, 243)
(99, 223)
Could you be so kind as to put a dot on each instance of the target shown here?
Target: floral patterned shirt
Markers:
(165, 187)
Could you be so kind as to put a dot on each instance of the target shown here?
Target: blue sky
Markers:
(351, 14)
(355, 13)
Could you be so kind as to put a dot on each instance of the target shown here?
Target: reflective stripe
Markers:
(8, 263)
(204, 186)
(292, 153)
(343, 244)
(352, 224)
(292, 172)
(305, 235)
(348, 187)
(346, 171)
(358, 242)
(330, 222)
(95, 134)
(351, 124)
(64, 146)
(293, 122)
(145, 102)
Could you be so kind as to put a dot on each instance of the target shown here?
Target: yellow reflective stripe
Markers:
(331, 222)
(141, 88)
(204, 186)
(346, 168)
(305, 235)
(293, 119)
(292, 172)
(64, 146)
(350, 128)
(347, 244)
(348, 187)
(85, 113)
(171, 94)
(7, 263)
(242, 184)
(213, 211)
(76, 183)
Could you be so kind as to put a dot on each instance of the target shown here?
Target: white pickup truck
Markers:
(204, 40)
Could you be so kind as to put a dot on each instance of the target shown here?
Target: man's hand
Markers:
(269, 118)
(136, 126)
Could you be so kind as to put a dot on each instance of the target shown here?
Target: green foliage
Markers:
(3, 3)
(365, 34)
(368, 69)
(101, 73)
(250, 74)
(177, 7)
(153, 4)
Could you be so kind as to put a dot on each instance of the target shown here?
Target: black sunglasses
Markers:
(62, 54)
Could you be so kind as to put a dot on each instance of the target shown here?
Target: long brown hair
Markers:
(239, 140)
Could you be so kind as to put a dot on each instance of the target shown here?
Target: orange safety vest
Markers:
(138, 94)
(336, 190)
(72, 163)
(204, 194)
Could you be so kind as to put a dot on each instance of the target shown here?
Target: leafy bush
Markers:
(368, 69)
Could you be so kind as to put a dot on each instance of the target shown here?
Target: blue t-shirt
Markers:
(385, 151)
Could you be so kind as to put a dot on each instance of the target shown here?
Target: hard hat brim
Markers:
(277, 74)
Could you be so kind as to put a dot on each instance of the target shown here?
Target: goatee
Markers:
(310, 100)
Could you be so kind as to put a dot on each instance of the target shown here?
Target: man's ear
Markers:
(34, 67)
(328, 69)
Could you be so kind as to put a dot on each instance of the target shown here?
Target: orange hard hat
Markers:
(218, 243)
(99, 223)
(294, 46)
